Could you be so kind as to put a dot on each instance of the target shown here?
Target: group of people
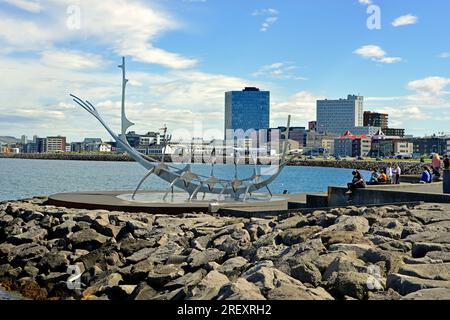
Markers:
(430, 172)
(392, 175)
(389, 175)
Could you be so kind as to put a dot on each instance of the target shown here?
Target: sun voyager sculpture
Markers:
(194, 184)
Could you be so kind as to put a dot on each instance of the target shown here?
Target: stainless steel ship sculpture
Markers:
(194, 184)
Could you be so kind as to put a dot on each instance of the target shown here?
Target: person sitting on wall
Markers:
(426, 177)
(383, 178)
(357, 183)
(374, 177)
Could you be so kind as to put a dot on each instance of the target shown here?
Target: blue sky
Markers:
(183, 54)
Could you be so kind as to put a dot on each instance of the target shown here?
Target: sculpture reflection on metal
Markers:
(185, 179)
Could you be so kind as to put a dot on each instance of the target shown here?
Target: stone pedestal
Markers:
(447, 181)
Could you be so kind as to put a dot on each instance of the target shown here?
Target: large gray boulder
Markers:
(438, 271)
(343, 264)
(189, 280)
(31, 236)
(209, 287)
(277, 285)
(406, 284)
(233, 267)
(162, 274)
(429, 294)
(239, 290)
(88, 239)
(307, 273)
(200, 258)
(299, 235)
(354, 284)
(430, 237)
(420, 249)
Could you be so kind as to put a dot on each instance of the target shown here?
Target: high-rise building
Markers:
(247, 109)
(55, 144)
(339, 116)
(24, 139)
(376, 119)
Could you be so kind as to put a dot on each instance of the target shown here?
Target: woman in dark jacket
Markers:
(357, 182)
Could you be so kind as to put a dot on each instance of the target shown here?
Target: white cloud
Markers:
(405, 20)
(302, 107)
(271, 17)
(178, 98)
(444, 55)
(38, 35)
(429, 99)
(390, 59)
(71, 59)
(365, 2)
(432, 85)
(27, 5)
(376, 53)
(123, 27)
(279, 70)
(264, 12)
(399, 114)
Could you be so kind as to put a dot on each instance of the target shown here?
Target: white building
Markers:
(338, 116)
(104, 147)
(403, 148)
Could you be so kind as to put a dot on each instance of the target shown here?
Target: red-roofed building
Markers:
(350, 145)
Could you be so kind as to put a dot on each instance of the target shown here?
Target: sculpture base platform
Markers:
(152, 202)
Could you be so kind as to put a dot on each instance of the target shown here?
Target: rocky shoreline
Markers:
(383, 253)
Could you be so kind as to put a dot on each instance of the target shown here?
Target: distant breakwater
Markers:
(407, 167)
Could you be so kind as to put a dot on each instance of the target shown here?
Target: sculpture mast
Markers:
(125, 122)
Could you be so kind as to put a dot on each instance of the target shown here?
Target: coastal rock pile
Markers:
(393, 252)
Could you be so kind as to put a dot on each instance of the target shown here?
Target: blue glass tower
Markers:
(247, 109)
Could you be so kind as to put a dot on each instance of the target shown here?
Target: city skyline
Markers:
(185, 54)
